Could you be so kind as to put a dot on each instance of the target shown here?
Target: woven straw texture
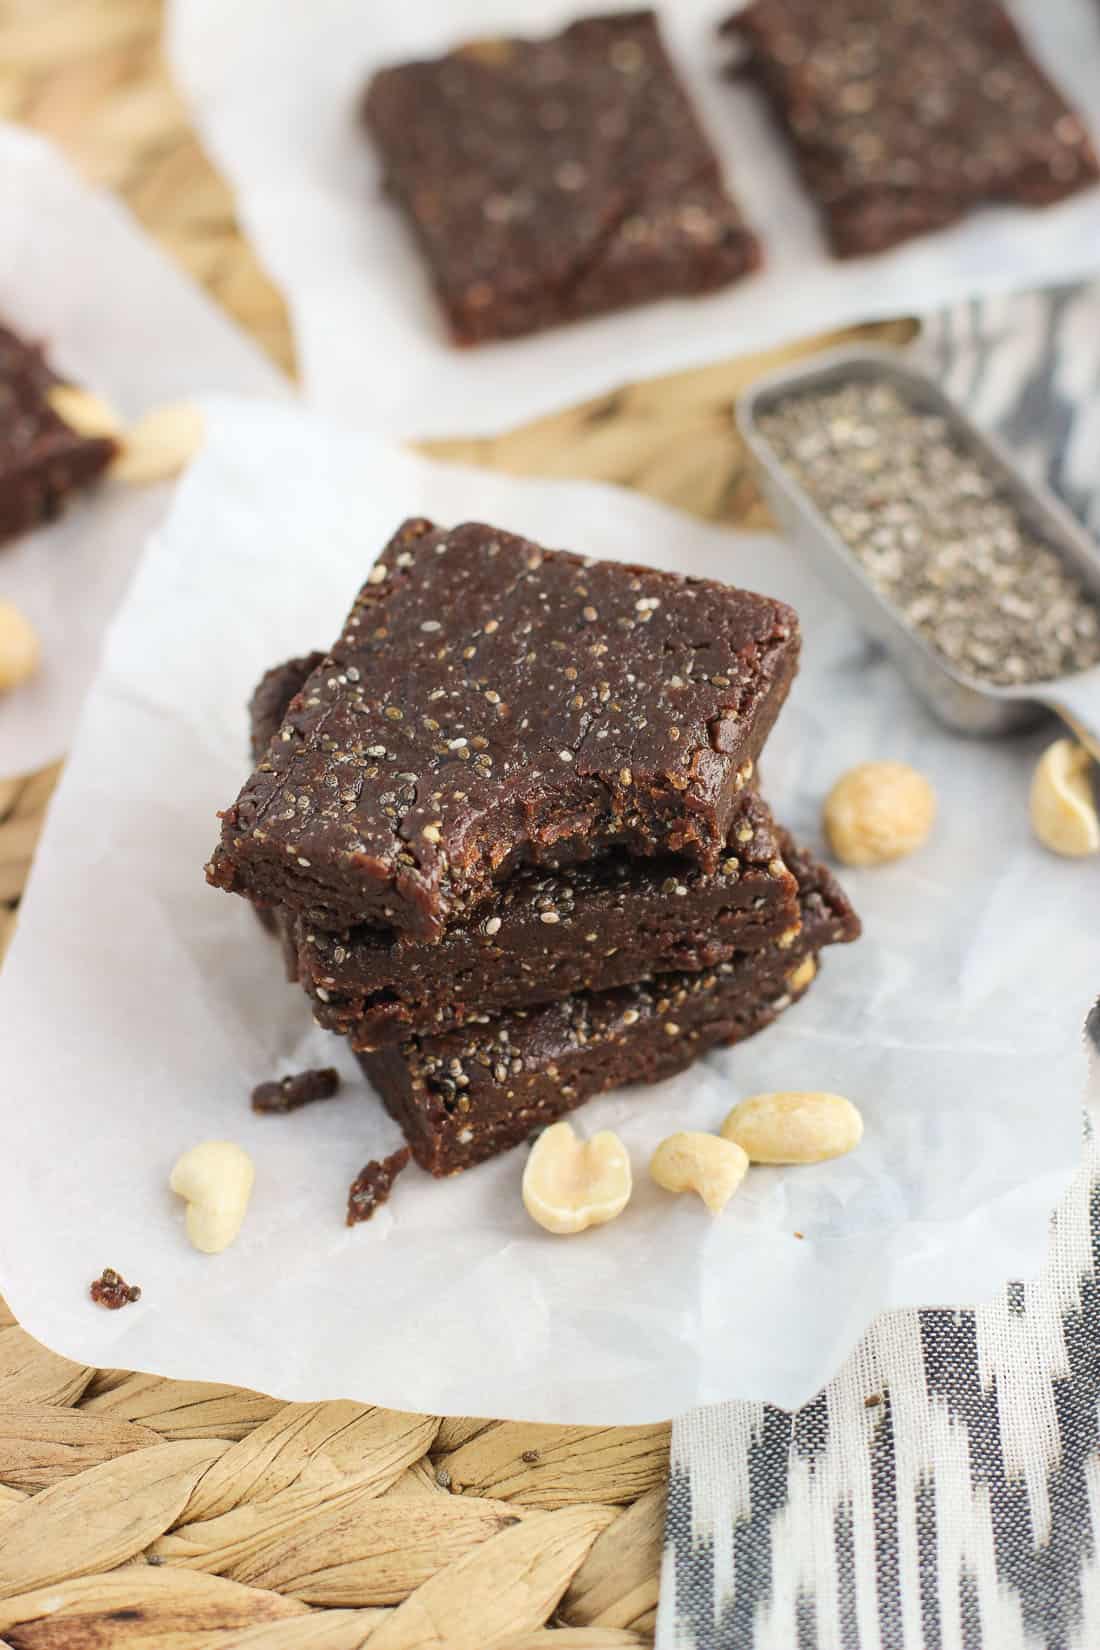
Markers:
(137, 1511)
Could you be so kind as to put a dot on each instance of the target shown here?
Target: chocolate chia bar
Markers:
(468, 1094)
(491, 703)
(905, 116)
(548, 180)
(549, 933)
(545, 933)
(43, 461)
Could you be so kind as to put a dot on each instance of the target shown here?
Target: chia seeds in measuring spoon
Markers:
(936, 535)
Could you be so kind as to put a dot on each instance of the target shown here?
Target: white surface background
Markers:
(78, 274)
(138, 1008)
(274, 92)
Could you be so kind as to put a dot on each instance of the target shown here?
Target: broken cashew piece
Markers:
(89, 415)
(19, 647)
(216, 1179)
(794, 1128)
(802, 976)
(703, 1163)
(877, 812)
(1063, 808)
(571, 1184)
(160, 445)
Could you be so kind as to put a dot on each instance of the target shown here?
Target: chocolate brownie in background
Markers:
(553, 179)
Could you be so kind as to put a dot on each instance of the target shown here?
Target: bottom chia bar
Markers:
(463, 1096)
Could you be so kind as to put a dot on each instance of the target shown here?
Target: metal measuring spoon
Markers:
(963, 702)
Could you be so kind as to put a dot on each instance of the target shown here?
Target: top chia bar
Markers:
(491, 703)
(904, 115)
(551, 179)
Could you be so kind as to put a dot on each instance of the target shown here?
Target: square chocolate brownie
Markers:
(545, 933)
(468, 1094)
(43, 461)
(547, 180)
(906, 114)
(491, 703)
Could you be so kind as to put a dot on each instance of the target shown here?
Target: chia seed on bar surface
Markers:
(936, 535)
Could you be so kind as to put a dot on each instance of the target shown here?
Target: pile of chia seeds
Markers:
(936, 534)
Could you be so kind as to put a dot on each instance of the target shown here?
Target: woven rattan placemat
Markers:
(139, 1511)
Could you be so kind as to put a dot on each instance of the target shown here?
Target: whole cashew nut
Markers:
(216, 1179)
(794, 1128)
(1063, 808)
(19, 647)
(877, 812)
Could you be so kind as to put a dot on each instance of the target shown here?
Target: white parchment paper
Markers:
(77, 273)
(274, 92)
(138, 1007)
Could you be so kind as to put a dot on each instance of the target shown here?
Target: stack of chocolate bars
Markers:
(507, 831)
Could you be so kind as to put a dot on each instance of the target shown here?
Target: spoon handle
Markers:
(1076, 699)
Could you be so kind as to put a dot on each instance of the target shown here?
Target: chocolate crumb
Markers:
(873, 1401)
(111, 1290)
(300, 1088)
(530, 1456)
(373, 1184)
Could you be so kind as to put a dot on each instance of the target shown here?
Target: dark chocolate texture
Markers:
(904, 115)
(548, 180)
(491, 703)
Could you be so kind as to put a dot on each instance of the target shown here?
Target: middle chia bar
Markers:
(545, 933)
